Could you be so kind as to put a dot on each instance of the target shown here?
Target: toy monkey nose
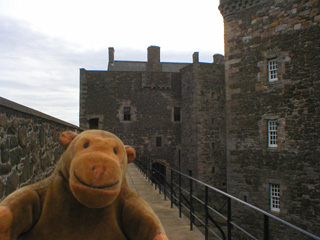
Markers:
(97, 171)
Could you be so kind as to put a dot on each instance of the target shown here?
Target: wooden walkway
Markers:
(176, 228)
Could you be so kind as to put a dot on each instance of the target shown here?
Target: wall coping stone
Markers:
(18, 107)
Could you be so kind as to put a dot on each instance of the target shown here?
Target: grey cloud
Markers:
(42, 72)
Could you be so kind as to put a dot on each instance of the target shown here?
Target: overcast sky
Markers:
(44, 43)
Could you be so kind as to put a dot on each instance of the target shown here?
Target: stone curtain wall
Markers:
(29, 145)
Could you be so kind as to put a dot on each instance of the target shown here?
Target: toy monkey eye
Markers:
(86, 145)
(115, 151)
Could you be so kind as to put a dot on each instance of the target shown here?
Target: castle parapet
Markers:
(229, 7)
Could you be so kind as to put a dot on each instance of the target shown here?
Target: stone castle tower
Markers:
(272, 62)
(171, 112)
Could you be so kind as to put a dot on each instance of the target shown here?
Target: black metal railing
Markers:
(186, 200)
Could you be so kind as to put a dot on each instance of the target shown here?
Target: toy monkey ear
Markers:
(131, 153)
(67, 137)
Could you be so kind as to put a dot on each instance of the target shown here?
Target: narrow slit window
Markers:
(275, 197)
(273, 70)
(126, 113)
(158, 141)
(177, 115)
(272, 134)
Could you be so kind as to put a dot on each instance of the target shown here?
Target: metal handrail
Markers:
(144, 165)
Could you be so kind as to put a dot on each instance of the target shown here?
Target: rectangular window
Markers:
(275, 197)
(272, 134)
(273, 70)
(176, 114)
(126, 113)
(158, 141)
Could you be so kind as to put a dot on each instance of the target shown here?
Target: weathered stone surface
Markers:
(27, 171)
(203, 99)
(12, 182)
(5, 168)
(23, 140)
(14, 156)
(15, 123)
(255, 32)
(3, 120)
(41, 136)
(22, 135)
(1, 188)
(13, 142)
(4, 153)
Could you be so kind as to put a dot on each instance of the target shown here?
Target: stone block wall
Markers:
(29, 145)
(151, 97)
(255, 32)
(203, 128)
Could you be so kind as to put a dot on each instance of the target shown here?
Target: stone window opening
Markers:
(176, 114)
(94, 123)
(275, 197)
(127, 113)
(272, 133)
(158, 141)
(273, 70)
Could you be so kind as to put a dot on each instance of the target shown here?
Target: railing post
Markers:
(191, 197)
(164, 183)
(159, 177)
(153, 175)
(180, 206)
(171, 187)
(206, 199)
(150, 170)
(142, 165)
(229, 219)
(147, 170)
(266, 227)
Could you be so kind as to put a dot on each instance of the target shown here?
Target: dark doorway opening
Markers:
(94, 123)
(158, 173)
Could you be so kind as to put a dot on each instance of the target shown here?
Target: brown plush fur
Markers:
(87, 197)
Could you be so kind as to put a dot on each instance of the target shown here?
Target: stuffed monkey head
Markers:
(96, 162)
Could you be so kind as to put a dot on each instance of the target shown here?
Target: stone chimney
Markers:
(218, 59)
(154, 64)
(195, 57)
(111, 55)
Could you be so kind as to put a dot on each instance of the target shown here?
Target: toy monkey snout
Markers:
(97, 172)
(95, 179)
